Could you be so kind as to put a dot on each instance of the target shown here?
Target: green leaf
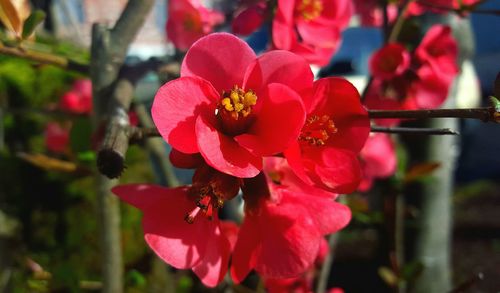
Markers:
(418, 171)
(411, 271)
(495, 103)
(388, 276)
(80, 136)
(35, 19)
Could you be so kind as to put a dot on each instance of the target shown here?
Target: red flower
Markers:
(390, 61)
(440, 6)
(336, 129)
(310, 28)
(232, 107)
(178, 239)
(281, 234)
(424, 85)
(371, 13)
(378, 158)
(188, 21)
(249, 19)
(79, 99)
(56, 137)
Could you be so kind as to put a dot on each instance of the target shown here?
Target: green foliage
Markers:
(80, 136)
(32, 22)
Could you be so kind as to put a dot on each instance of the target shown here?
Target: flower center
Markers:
(211, 189)
(309, 9)
(234, 110)
(389, 63)
(191, 23)
(317, 130)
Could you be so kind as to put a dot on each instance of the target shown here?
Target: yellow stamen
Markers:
(317, 130)
(238, 101)
(310, 9)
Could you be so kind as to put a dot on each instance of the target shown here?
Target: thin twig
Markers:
(398, 25)
(459, 11)
(324, 274)
(108, 51)
(137, 134)
(465, 286)
(392, 36)
(44, 58)
(156, 148)
(415, 131)
(488, 114)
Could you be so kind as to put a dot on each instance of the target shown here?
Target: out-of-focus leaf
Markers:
(136, 279)
(80, 135)
(388, 276)
(48, 163)
(35, 19)
(418, 171)
(8, 225)
(402, 157)
(496, 104)
(87, 156)
(9, 16)
(90, 285)
(13, 13)
(38, 285)
(184, 284)
(411, 270)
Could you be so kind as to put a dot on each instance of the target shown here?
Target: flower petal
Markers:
(282, 67)
(338, 98)
(223, 153)
(220, 58)
(339, 169)
(289, 239)
(293, 156)
(283, 33)
(329, 216)
(185, 161)
(213, 267)
(278, 123)
(246, 246)
(319, 35)
(176, 242)
(176, 106)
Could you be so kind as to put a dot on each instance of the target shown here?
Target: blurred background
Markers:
(48, 222)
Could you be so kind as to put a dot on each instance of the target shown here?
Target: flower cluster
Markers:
(418, 80)
(311, 28)
(258, 126)
(188, 21)
(78, 100)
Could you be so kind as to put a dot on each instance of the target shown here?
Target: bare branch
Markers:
(413, 130)
(44, 58)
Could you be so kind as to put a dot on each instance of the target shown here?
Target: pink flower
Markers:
(390, 61)
(440, 6)
(232, 107)
(371, 13)
(423, 85)
(282, 231)
(56, 137)
(79, 99)
(302, 283)
(310, 28)
(336, 129)
(439, 49)
(181, 225)
(378, 158)
(188, 21)
(249, 19)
